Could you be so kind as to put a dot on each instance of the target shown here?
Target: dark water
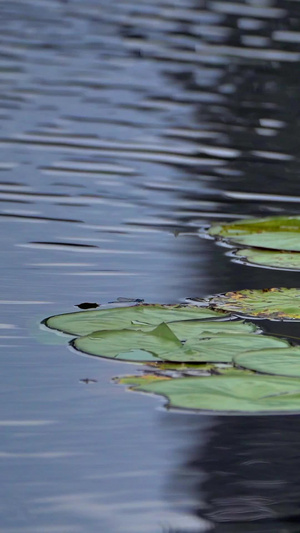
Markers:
(125, 126)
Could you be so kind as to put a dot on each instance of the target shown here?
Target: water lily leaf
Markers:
(196, 328)
(285, 362)
(83, 323)
(280, 260)
(276, 303)
(230, 393)
(222, 348)
(161, 344)
(131, 345)
(277, 233)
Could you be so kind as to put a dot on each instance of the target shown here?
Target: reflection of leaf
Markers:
(83, 323)
(276, 303)
(277, 233)
(232, 393)
(282, 260)
(285, 362)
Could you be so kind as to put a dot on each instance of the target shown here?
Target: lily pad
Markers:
(285, 362)
(162, 344)
(131, 345)
(267, 258)
(233, 394)
(275, 304)
(277, 233)
(222, 348)
(133, 317)
(199, 328)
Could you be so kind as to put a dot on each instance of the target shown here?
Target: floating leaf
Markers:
(232, 393)
(285, 362)
(277, 233)
(130, 345)
(222, 348)
(196, 328)
(83, 323)
(276, 303)
(161, 343)
(282, 260)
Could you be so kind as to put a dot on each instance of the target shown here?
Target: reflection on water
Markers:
(243, 476)
(125, 126)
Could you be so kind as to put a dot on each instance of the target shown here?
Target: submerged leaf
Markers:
(277, 233)
(276, 303)
(84, 323)
(282, 260)
(285, 362)
(231, 393)
(135, 381)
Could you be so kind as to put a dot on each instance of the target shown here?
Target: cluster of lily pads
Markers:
(200, 357)
(272, 242)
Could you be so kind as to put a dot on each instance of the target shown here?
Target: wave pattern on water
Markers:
(126, 125)
(162, 116)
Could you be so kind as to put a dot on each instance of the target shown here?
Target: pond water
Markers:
(125, 127)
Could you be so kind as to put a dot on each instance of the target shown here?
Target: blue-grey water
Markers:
(125, 127)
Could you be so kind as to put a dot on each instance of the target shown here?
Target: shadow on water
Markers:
(239, 474)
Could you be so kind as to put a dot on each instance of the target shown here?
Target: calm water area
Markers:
(126, 126)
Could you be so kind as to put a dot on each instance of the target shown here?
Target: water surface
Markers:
(125, 127)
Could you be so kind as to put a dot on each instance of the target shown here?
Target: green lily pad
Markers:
(285, 362)
(276, 303)
(277, 233)
(222, 348)
(197, 328)
(162, 344)
(233, 394)
(130, 344)
(279, 260)
(134, 317)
